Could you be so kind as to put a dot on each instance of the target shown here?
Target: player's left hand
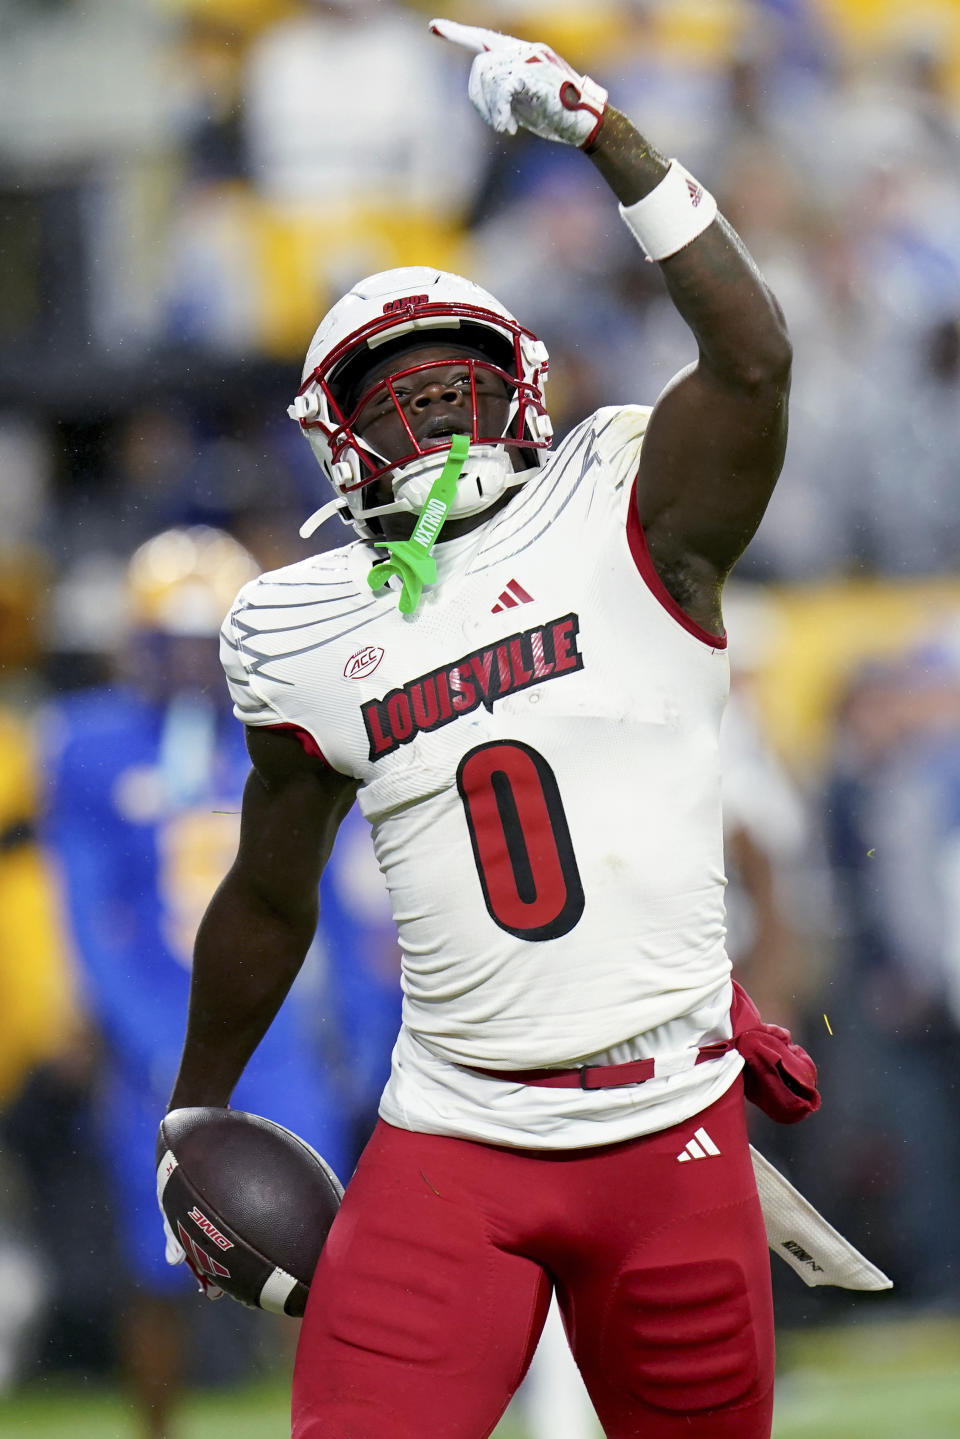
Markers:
(518, 82)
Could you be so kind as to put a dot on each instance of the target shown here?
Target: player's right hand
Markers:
(175, 1253)
(517, 82)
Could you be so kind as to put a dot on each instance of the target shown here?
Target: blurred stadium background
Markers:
(184, 186)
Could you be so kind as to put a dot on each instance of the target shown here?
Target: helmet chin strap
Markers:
(410, 560)
(403, 506)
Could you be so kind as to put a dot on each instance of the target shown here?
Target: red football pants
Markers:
(434, 1283)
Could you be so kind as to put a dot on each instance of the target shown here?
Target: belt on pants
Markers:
(611, 1076)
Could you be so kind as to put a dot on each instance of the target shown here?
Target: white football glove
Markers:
(517, 82)
(176, 1254)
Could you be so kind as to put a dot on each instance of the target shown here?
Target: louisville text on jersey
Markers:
(432, 700)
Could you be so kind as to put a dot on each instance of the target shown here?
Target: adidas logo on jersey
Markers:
(512, 596)
(701, 1146)
(695, 192)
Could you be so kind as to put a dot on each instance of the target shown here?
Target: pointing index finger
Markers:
(472, 37)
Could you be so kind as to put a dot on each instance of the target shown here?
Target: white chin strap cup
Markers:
(488, 473)
(485, 476)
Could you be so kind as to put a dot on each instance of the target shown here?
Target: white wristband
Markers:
(675, 212)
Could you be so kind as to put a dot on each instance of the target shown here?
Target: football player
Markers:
(517, 669)
(146, 778)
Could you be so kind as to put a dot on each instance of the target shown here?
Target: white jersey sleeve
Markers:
(249, 705)
(619, 431)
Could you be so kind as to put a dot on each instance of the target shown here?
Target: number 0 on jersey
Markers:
(521, 841)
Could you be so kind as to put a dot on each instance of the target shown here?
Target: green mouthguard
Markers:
(410, 560)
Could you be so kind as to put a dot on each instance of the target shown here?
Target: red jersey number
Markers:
(521, 841)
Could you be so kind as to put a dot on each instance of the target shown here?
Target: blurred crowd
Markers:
(185, 185)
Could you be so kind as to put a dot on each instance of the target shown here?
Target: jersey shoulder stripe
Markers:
(602, 451)
(290, 611)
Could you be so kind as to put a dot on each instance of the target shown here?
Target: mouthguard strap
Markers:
(410, 560)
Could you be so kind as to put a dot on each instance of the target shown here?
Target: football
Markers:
(250, 1202)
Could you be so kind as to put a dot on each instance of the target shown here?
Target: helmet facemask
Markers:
(490, 467)
(334, 404)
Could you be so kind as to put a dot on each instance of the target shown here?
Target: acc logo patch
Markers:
(364, 662)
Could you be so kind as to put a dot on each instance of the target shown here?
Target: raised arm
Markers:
(715, 442)
(259, 925)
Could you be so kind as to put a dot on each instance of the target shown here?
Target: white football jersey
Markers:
(537, 747)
